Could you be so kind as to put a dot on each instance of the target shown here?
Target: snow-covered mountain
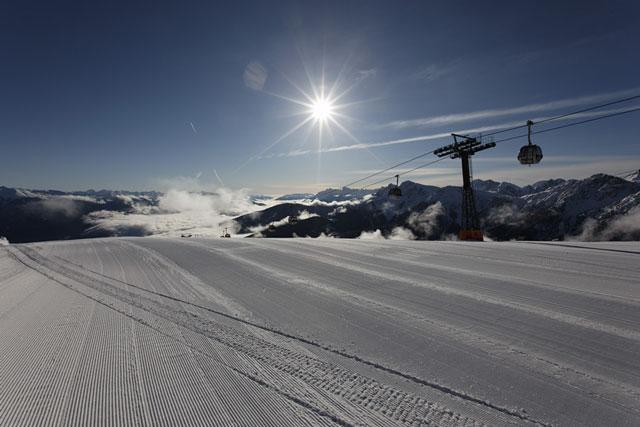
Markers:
(35, 215)
(601, 207)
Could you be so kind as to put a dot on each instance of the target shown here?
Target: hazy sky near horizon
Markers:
(154, 95)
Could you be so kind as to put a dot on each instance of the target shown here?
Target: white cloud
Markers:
(306, 215)
(58, 205)
(179, 211)
(506, 214)
(371, 235)
(426, 221)
(622, 227)
(448, 119)
(398, 233)
(439, 135)
(255, 75)
(401, 233)
(258, 229)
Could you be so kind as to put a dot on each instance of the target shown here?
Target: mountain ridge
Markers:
(554, 209)
(600, 207)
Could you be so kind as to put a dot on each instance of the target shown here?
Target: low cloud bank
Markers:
(64, 206)
(176, 212)
(257, 231)
(622, 227)
(398, 233)
(506, 215)
(372, 235)
(426, 222)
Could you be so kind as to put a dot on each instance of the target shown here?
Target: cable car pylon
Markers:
(464, 147)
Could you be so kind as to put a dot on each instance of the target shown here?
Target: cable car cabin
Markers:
(530, 154)
(395, 192)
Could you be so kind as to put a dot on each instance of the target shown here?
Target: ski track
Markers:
(275, 385)
(318, 332)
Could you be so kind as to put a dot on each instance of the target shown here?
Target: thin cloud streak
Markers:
(215, 173)
(441, 135)
(491, 113)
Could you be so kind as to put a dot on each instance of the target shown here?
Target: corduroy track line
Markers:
(436, 386)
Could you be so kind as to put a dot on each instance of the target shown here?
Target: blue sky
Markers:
(150, 95)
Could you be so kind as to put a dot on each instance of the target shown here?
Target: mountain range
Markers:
(601, 207)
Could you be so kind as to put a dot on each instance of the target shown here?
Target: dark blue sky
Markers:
(139, 95)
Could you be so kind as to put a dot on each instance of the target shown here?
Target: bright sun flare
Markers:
(321, 109)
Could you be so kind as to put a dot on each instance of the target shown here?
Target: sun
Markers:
(321, 109)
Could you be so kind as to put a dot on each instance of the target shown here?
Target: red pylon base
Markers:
(472, 235)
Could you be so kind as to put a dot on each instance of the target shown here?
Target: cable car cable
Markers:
(391, 167)
(564, 115)
(619, 113)
(405, 172)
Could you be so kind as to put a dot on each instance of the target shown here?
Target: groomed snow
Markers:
(160, 331)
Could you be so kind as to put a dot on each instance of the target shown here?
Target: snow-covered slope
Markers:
(154, 331)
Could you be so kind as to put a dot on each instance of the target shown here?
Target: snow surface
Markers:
(162, 331)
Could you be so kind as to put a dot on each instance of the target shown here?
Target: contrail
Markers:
(193, 127)
(439, 135)
(523, 109)
(218, 177)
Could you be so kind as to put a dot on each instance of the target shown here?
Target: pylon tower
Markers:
(464, 147)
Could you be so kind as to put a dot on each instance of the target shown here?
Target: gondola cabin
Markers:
(395, 191)
(530, 154)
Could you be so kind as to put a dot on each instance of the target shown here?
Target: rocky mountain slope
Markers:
(601, 207)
